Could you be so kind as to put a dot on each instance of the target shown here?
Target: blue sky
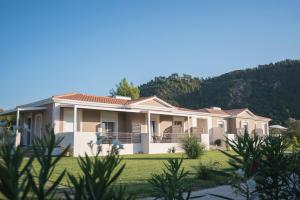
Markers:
(55, 47)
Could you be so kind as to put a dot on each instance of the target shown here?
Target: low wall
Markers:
(157, 148)
(86, 143)
(68, 138)
(205, 140)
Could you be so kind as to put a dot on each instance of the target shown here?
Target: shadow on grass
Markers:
(152, 158)
(144, 189)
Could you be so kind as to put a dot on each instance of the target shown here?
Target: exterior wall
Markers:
(166, 122)
(90, 120)
(46, 118)
(122, 122)
(202, 124)
(232, 126)
(215, 122)
(136, 122)
(156, 148)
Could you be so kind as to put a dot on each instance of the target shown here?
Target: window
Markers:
(178, 123)
(153, 127)
(108, 127)
(221, 124)
(245, 125)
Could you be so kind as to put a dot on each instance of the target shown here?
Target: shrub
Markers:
(170, 184)
(218, 142)
(245, 160)
(39, 179)
(192, 148)
(206, 171)
(13, 169)
(272, 178)
(99, 176)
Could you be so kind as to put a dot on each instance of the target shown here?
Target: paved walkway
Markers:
(224, 190)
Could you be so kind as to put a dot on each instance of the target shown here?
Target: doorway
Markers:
(38, 125)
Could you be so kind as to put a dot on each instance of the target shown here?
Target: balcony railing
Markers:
(121, 137)
(174, 137)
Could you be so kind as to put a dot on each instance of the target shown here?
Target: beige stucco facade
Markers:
(149, 125)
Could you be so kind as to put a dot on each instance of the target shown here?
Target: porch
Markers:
(137, 132)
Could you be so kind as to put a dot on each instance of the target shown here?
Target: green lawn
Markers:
(139, 168)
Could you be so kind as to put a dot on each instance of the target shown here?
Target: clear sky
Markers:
(60, 46)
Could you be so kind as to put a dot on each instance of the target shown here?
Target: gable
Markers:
(154, 103)
(246, 114)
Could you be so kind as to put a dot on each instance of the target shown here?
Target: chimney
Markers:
(122, 97)
(216, 108)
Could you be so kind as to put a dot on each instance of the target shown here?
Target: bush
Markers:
(192, 148)
(218, 142)
(206, 171)
(171, 183)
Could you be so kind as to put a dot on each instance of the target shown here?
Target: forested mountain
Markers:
(271, 90)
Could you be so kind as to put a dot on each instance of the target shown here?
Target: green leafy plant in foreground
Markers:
(245, 160)
(99, 175)
(170, 185)
(13, 171)
(43, 149)
(272, 178)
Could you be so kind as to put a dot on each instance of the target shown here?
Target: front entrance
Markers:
(38, 125)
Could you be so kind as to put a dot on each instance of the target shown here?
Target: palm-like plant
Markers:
(99, 175)
(246, 161)
(171, 185)
(43, 149)
(13, 171)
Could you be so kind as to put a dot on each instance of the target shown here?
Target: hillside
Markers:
(271, 90)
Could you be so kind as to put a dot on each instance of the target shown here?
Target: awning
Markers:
(278, 127)
(14, 111)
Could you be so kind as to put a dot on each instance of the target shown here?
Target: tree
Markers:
(124, 88)
(293, 128)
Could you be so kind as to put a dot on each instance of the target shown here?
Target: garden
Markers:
(255, 167)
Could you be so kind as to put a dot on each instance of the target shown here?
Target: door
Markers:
(38, 125)
(27, 130)
(68, 120)
(153, 128)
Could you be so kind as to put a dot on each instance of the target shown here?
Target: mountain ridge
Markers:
(271, 90)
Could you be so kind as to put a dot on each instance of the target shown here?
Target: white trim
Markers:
(37, 103)
(22, 109)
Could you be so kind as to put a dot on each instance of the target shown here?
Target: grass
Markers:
(140, 167)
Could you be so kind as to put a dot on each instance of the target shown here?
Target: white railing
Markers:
(174, 137)
(121, 137)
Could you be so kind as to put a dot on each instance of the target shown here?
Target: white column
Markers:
(75, 119)
(74, 131)
(18, 135)
(149, 123)
(189, 126)
(55, 117)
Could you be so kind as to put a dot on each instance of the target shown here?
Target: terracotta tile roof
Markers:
(185, 109)
(99, 99)
(213, 111)
(92, 98)
(235, 111)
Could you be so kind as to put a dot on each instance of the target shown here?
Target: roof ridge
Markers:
(64, 95)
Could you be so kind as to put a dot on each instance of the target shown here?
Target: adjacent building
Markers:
(146, 125)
